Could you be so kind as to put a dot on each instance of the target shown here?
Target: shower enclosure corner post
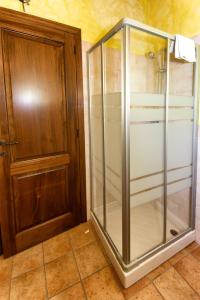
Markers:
(125, 144)
(166, 141)
(103, 130)
(195, 140)
(89, 124)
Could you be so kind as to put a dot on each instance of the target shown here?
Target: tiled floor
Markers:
(73, 266)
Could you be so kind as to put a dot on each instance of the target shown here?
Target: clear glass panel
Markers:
(147, 87)
(113, 138)
(179, 157)
(96, 132)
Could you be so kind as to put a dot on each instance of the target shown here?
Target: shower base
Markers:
(146, 220)
(136, 272)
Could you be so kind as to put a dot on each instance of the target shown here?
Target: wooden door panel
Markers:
(36, 79)
(40, 70)
(40, 196)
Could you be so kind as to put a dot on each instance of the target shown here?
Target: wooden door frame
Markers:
(17, 21)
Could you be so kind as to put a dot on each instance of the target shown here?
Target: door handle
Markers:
(4, 143)
(3, 154)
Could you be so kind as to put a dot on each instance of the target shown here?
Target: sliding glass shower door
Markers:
(142, 141)
(147, 141)
(180, 146)
(96, 135)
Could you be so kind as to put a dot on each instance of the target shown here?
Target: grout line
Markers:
(173, 266)
(81, 282)
(44, 270)
(152, 280)
(73, 251)
(64, 289)
(71, 285)
(187, 283)
(99, 270)
(24, 273)
(184, 255)
(158, 291)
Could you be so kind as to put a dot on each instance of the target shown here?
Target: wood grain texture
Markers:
(13, 18)
(40, 196)
(45, 170)
(35, 79)
(80, 112)
(7, 230)
(42, 232)
(38, 164)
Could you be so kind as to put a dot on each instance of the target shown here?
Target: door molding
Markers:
(45, 29)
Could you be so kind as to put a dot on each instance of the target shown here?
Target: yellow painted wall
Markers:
(174, 16)
(94, 17)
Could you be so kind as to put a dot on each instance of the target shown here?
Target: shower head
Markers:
(150, 55)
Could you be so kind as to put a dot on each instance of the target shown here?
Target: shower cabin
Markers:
(142, 115)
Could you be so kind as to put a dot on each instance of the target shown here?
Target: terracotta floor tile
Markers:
(73, 293)
(192, 247)
(196, 253)
(173, 287)
(61, 273)
(27, 260)
(103, 285)
(29, 286)
(189, 269)
(5, 268)
(148, 293)
(56, 247)
(103, 250)
(4, 290)
(174, 259)
(158, 271)
(136, 287)
(82, 235)
(90, 259)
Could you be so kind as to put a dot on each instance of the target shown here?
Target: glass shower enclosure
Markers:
(142, 115)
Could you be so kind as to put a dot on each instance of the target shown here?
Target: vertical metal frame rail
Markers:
(103, 133)
(166, 142)
(90, 137)
(125, 108)
(194, 143)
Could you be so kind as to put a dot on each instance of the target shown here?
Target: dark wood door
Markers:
(43, 142)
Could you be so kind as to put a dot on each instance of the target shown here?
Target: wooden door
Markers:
(43, 141)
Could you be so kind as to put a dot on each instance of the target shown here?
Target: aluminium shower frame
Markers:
(125, 25)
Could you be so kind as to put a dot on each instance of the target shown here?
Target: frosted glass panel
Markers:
(143, 158)
(113, 138)
(148, 63)
(96, 131)
(179, 150)
(179, 144)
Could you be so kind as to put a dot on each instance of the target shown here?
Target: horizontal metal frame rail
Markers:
(136, 25)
